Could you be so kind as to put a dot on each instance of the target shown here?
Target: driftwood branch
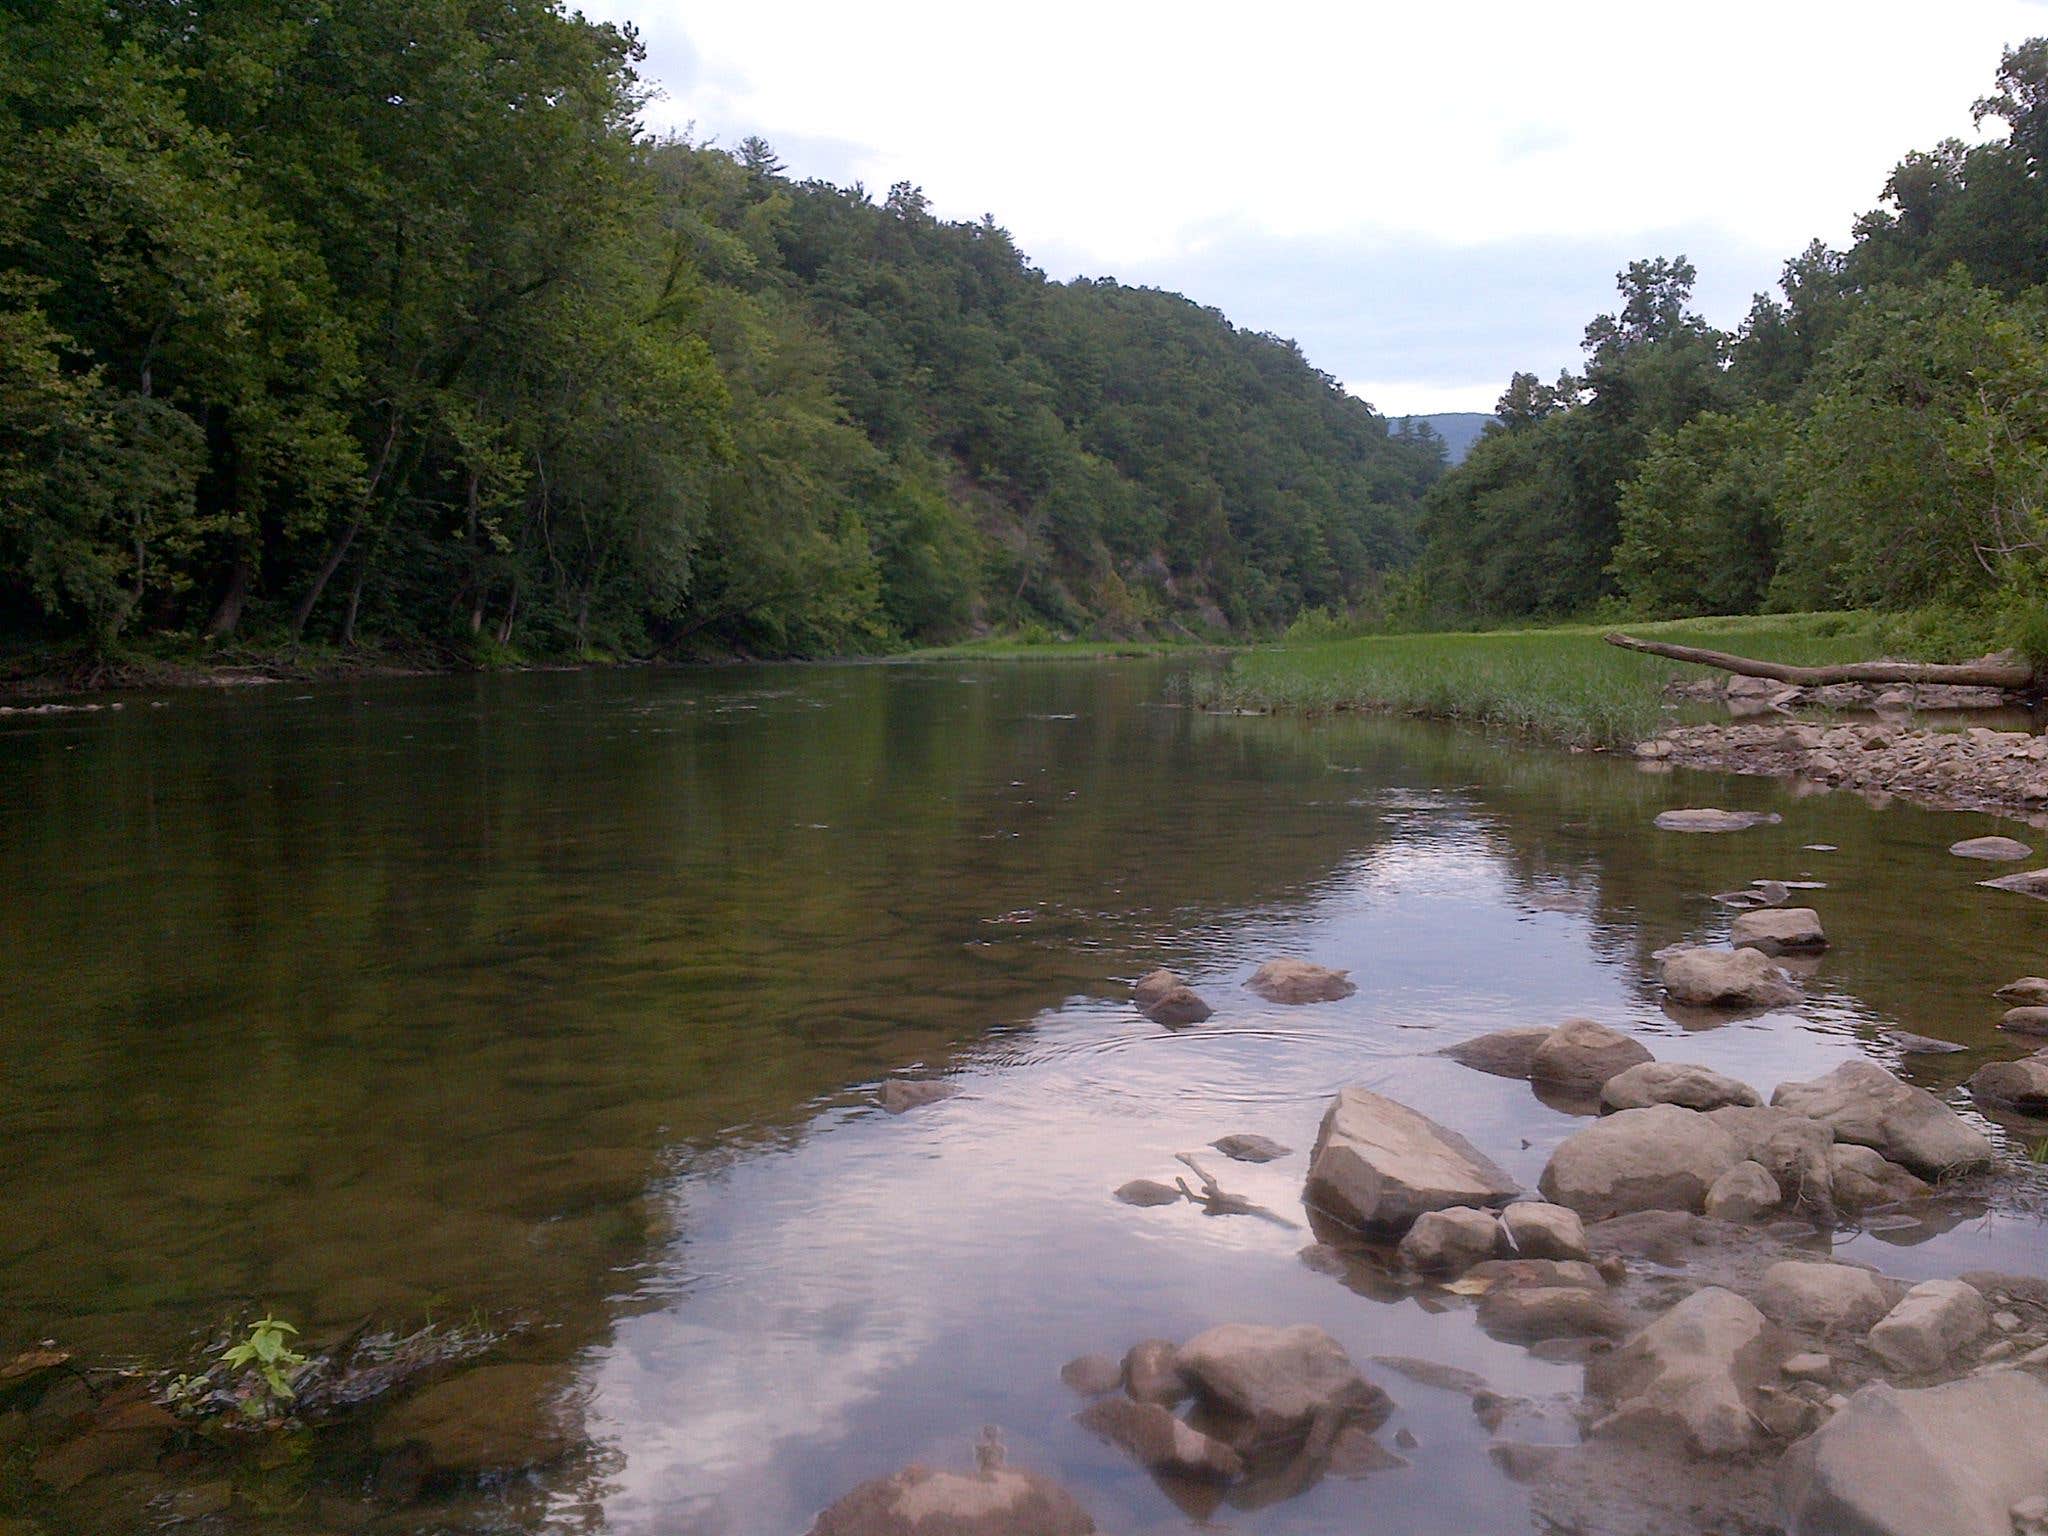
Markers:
(1988, 672)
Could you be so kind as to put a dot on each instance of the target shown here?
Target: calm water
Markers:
(558, 1002)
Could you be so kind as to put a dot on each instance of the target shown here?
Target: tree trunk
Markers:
(511, 608)
(355, 604)
(1987, 672)
(326, 573)
(229, 613)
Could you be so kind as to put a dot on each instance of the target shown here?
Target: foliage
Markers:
(1699, 522)
(268, 1349)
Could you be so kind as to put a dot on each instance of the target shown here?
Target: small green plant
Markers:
(269, 1350)
(2038, 1152)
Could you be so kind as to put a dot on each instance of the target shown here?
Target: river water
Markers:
(555, 1004)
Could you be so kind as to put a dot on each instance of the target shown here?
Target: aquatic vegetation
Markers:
(268, 1348)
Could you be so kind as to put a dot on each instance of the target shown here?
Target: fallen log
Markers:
(1987, 672)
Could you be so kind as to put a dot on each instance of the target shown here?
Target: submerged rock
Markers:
(1780, 931)
(1931, 1325)
(1581, 1055)
(1941, 1461)
(494, 1418)
(1536, 1229)
(919, 1501)
(1159, 1442)
(1692, 1375)
(1503, 1053)
(1450, 1241)
(119, 1437)
(2027, 992)
(1822, 1297)
(1092, 1375)
(2001, 848)
(901, 1095)
(1683, 1083)
(1299, 981)
(1248, 1148)
(1277, 1381)
(1722, 978)
(1152, 986)
(1862, 1102)
(1922, 1045)
(1148, 1192)
(1716, 821)
(2015, 1085)
(1660, 1158)
(1378, 1165)
(1525, 1314)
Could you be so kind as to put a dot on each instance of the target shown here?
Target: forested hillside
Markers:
(384, 322)
(1875, 434)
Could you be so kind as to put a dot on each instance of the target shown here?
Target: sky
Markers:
(1426, 197)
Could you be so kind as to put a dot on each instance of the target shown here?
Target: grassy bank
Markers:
(1564, 683)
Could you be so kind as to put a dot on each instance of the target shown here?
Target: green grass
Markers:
(1563, 683)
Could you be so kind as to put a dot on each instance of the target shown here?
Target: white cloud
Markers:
(1132, 138)
(1425, 397)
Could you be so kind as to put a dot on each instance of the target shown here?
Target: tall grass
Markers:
(1563, 683)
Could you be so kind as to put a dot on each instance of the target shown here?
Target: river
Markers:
(556, 1004)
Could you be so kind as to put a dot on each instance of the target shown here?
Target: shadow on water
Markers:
(560, 999)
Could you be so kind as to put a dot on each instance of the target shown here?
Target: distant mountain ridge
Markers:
(1459, 429)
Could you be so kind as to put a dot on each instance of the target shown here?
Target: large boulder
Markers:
(1862, 1102)
(1298, 981)
(1503, 1053)
(1933, 1323)
(1378, 1165)
(1941, 1461)
(1791, 1148)
(1716, 821)
(1691, 1375)
(1159, 1442)
(1450, 1242)
(1780, 931)
(1660, 1158)
(2027, 992)
(1736, 979)
(1536, 1229)
(2015, 1085)
(1863, 1178)
(1683, 1083)
(1581, 1055)
(919, 1501)
(1275, 1381)
(1822, 1297)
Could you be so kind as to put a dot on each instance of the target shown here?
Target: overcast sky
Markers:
(1426, 198)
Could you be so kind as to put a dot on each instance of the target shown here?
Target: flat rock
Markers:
(1862, 1102)
(1780, 931)
(1159, 1442)
(1716, 821)
(1721, 978)
(1536, 1229)
(1449, 1242)
(492, 1418)
(1277, 1380)
(1999, 848)
(1940, 1461)
(1148, 1192)
(1863, 1177)
(1523, 1314)
(1683, 1083)
(1092, 1375)
(1249, 1148)
(1299, 981)
(2014, 1085)
(2030, 1020)
(1660, 1158)
(1152, 1373)
(1503, 1053)
(1743, 1193)
(900, 1095)
(1932, 1324)
(1568, 1274)
(1378, 1165)
(919, 1501)
(1177, 1007)
(1922, 1045)
(1692, 1375)
(2027, 992)
(2032, 882)
(1580, 1055)
(1433, 1373)
(1822, 1297)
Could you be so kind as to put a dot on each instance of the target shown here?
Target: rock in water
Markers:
(1449, 1242)
(1791, 1148)
(1526, 1314)
(1780, 931)
(1297, 981)
(901, 1095)
(1378, 1165)
(1823, 1297)
(495, 1418)
(2032, 882)
(2027, 992)
(1660, 1158)
(1092, 1375)
(1177, 1008)
(1159, 1442)
(996, 1501)
(1865, 1104)
(2015, 1085)
(1581, 1055)
(1148, 1192)
(2025, 1021)
(1535, 1229)
(1716, 821)
(1922, 1045)
(1152, 986)
(1743, 1193)
(1693, 1375)
(1503, 1053)
(2000, 848)
(1248, 1148)
(1863, 1178)
(1276, 1380)
(1931, 1325)
(1152, 1373)
(1942, 1461)
(1720, 978)
(1674, 1082)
